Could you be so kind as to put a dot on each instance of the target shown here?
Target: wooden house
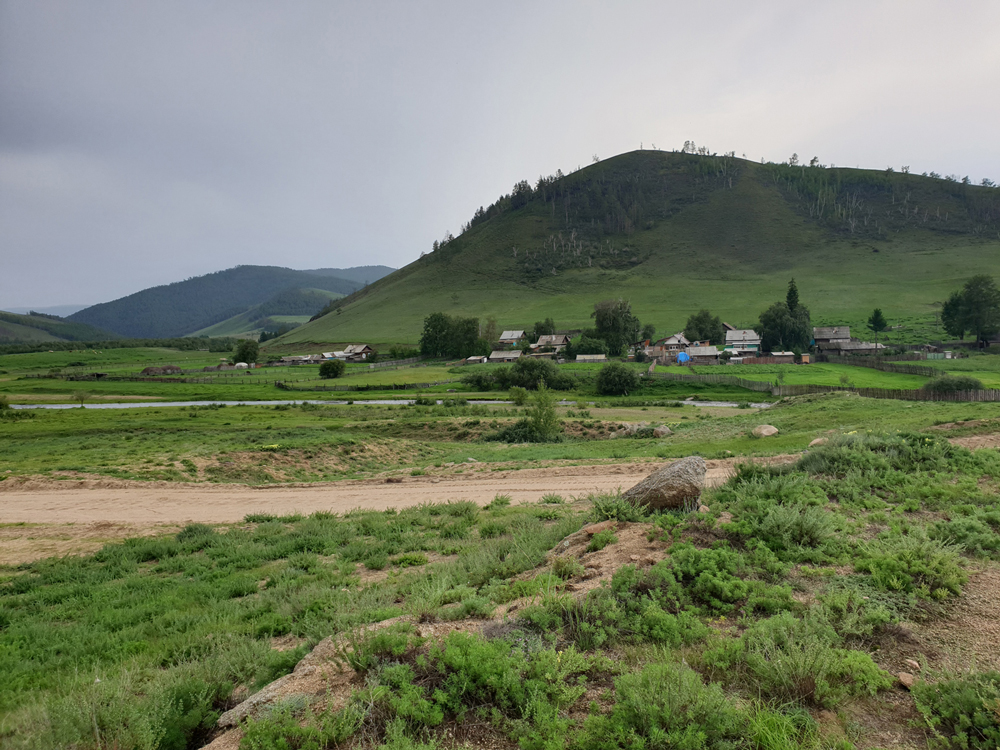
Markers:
(505, 355)
(512, 338)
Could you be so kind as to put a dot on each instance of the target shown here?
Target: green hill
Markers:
(40, 327)
(288, 307)
(675, 233)
(184, 307)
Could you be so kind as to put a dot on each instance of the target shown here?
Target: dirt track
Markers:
(80, 516)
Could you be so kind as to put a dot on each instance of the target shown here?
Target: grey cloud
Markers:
(142, 142)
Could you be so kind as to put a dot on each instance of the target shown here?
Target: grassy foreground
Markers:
(773, 621)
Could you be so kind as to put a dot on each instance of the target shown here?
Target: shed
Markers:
(506, 355)
(591, 357)
(703, 355)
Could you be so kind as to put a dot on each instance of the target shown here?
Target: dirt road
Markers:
(58, 518)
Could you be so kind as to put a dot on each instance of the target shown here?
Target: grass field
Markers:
(267, 444)
(777, 620)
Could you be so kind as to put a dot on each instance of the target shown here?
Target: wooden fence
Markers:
(874, 364)
(987, 395)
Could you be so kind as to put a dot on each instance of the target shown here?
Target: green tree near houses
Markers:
(246, 350)
(616, 324)
(974, 309)
(703, 326)
(785, 325)
(876, 324)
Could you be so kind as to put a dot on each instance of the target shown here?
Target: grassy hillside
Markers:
(187, 306)
(38, 327)
(289, 307)
(360, 274)
(678, 232)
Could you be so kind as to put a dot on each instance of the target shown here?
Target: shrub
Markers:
(332, 368)
(518, 395)
(664, 705)
(499, 501)
(952, 383)
(617, 379)
(566, 567)
(928, 568)
(611, 506)
(791, 659)
(964, 711)
(601, 540)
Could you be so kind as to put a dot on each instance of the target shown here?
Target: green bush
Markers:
(601, 540)
(611, 506)
(963, 711)
(332, 368)
(664, 706)
(795, 660)
(927, 568)
(566, 567)
(518, 395)
(617, 379)
(952, 383)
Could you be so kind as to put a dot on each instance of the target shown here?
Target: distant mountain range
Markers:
(198, 303)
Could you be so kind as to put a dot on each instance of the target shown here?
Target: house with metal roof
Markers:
(512, 338)
(744, 341)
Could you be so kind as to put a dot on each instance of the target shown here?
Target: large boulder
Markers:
(662, 431)
(672, 486)
(765, 430)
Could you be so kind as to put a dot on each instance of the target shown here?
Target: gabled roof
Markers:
(742, 336)
(357, 348)
(506, 335)
(554, 339)
(677, 338)
(506, 354)
(832, 332)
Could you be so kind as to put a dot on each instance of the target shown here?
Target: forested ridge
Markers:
(186, 306)
(50, 324)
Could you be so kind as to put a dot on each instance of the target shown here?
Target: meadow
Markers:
(776, 620)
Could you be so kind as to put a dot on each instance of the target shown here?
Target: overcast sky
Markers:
(146, 142)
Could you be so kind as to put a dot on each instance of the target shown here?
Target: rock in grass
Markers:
(672, 486)
(907, 680)
(765, 430)
(912, 664)
(662, 431)
(817, 442)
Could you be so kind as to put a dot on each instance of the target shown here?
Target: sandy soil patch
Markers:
(975, 442)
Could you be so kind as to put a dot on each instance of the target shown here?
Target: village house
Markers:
(826, 336)
(512, 338)
(591, 357)
(667, 348)
(557, 341)
(505, 355)
(837, 340)
(351, 353)
(743, 342)
(703, 355)
(304, 359)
